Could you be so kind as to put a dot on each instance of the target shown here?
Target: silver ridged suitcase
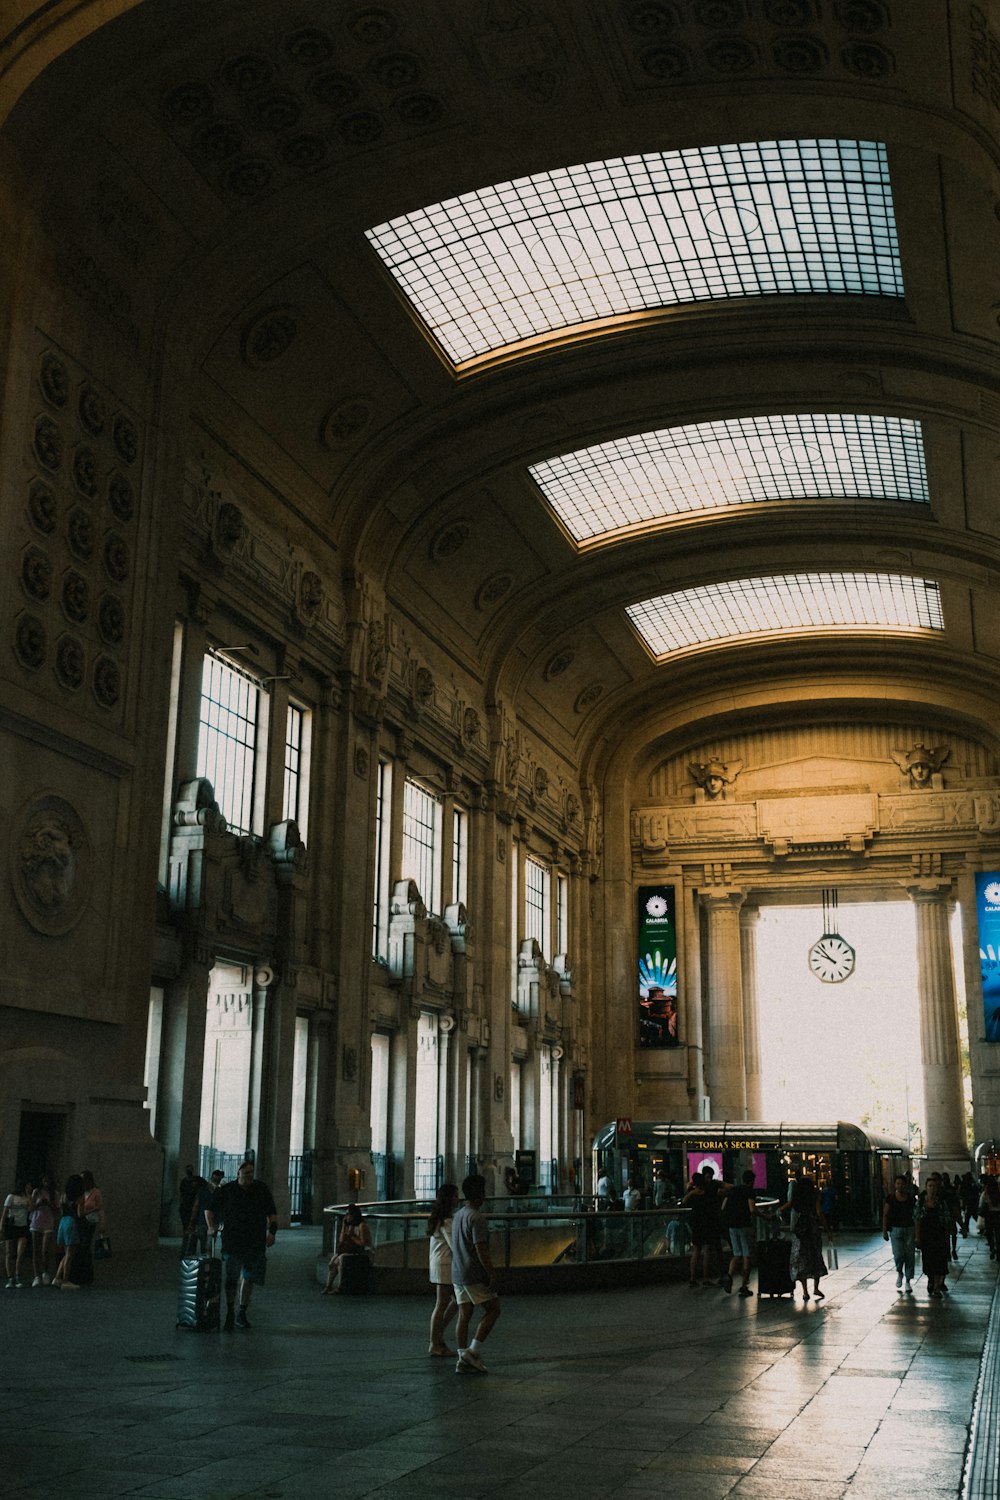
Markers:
(200, 1292)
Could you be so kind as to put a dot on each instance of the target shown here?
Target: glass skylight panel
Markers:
(562, 249)
(653, 475)
(794, 601)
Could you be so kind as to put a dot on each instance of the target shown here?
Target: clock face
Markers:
(831, 959)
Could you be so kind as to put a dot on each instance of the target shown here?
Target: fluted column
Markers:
(944, 1103)
(727, 1084)
(749, 916)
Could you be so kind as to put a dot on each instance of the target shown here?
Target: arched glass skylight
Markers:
(792, 601)
(632, 481)
(562, 249)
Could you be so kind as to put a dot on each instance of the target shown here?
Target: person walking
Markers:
(249, 1226)
(968, 1191)
(439, 1260)
(898, 1228)
(807, 1261)
(934, 1219)
(951, 1195)
(738, 1209)
(989, 1212)
(472, 1275)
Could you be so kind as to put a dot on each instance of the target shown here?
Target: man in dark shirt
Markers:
(739, 1208)
(249, 1225)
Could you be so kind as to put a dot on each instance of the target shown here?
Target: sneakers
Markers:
(37, 1281)
(468, 1363)
(70, 1286)
(57, 1281)
(899, 1280)
(242, 1321)
(9, 1286)
(18, 1282)
(909, 1286)
(745, 1291)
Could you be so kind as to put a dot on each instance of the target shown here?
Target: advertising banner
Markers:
(656, 926)
(699, 1159)
(988, 915)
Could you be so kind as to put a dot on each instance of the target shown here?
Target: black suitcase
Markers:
(200, 1292)
(773, 1268)
(355, 1276)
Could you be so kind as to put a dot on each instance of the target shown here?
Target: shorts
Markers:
(69, 1233)
(12, 1231)
(477, 1294)
(739, 1240)
(251, 1265)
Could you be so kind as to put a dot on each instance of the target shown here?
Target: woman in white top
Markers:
(439, 1262)
(14, 1228)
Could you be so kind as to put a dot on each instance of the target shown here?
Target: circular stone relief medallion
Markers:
(50, 864)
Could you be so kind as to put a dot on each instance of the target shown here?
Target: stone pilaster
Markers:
(749, 916)
(727, 1085)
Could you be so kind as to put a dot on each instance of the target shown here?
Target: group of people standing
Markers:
(720, 1210)
(67, 1229)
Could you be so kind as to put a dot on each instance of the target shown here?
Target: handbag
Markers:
(102, 1247)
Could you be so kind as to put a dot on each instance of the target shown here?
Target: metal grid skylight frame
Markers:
(822, 602)
(518, 260)
(607, 489)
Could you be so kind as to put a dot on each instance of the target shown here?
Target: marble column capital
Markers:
(722, 898)
(929, 892)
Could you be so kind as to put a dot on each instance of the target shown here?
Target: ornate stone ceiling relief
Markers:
(259, 117)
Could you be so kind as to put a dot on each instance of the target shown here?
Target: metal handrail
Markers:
(597, 1235)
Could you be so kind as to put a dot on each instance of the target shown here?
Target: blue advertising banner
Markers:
(657, 963)
(988, 915)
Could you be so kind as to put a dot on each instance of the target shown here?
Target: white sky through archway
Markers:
(847, 1051)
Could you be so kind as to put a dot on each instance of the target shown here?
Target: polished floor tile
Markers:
(635, 1393)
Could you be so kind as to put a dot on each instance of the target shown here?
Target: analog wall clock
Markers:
(831, 957)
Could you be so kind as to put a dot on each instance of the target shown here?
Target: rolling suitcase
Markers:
(773, 1268)
(200, 1292)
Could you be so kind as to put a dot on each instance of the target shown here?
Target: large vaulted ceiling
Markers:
(646, 350)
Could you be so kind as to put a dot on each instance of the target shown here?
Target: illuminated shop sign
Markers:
(731, 1143)
(988, 915)
(656, 926)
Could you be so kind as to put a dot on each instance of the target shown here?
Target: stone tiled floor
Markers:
(637, 1393)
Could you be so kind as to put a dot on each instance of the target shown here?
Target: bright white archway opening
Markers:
(848, 1051)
